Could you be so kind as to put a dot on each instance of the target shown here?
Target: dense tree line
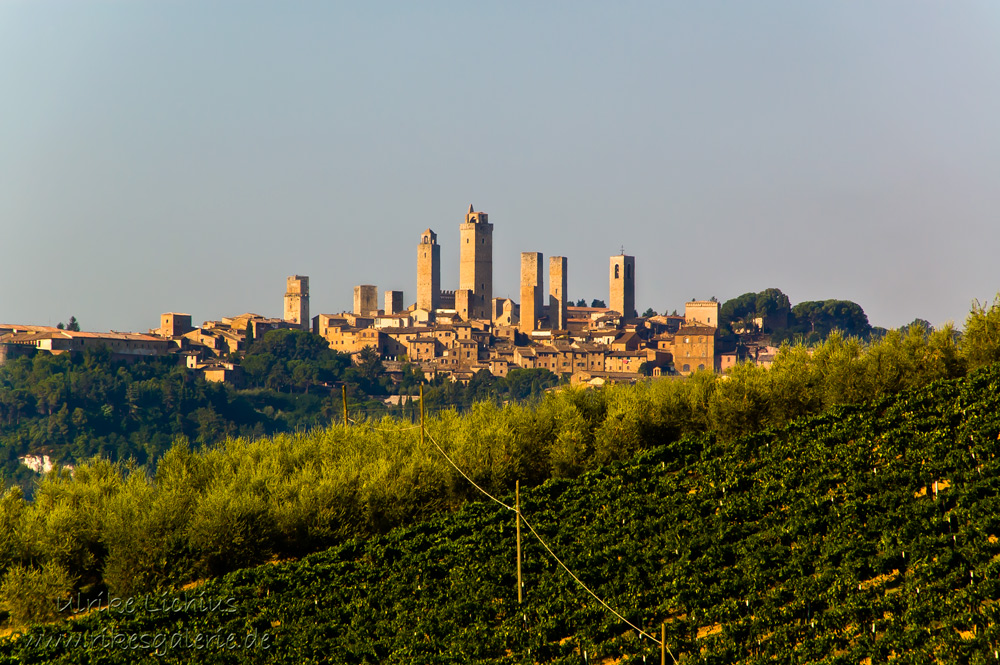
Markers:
(809, 322)
(74, 406)
(293, 360)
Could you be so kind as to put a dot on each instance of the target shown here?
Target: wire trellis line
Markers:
(548, 549)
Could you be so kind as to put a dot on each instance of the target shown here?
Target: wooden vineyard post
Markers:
(343, 392)
(663, 644)
(421, 417)
(517, 509)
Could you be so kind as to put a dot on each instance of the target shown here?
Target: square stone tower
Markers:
(428, 272)
(475, 268)
(622, 279)
(366, 300)
(175, 324)
(702, 311)
(557, 292)
(532, 295)
(297, 301)
(463, 304)
(393, 302)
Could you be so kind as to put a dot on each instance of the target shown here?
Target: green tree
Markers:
(980, 343)
(292, 359)
(482, 387)
(922, 325)
(597, 303)
(820, 317)
(738, 313)
(248, 339)
(369, 363)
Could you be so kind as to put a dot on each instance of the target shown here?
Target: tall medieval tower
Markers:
(622, 280)
(557, 292)
(531, 291)
(475, 268)
(297, 301)
(428, 272)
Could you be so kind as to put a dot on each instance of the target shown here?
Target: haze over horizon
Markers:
(184, 156)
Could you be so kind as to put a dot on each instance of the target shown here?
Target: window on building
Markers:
(616, 272)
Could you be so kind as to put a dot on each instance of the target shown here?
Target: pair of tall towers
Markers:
(532, 292)
(475, 268)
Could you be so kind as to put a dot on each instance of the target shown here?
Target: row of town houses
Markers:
(597, 345)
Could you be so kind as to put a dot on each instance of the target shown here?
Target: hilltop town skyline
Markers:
(427, 292)
(179, 156)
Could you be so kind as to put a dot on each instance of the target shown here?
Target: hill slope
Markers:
(867, 532)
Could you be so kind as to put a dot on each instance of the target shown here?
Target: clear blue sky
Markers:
(188, 156)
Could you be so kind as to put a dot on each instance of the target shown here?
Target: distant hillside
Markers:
(868, 532)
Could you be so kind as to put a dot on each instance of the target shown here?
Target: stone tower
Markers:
(705, 312)
(175, 324)
(366, 300)
(622, 279)
(532, 294)
(393, 302)
(557, 292)
(475, 268)
(428, 272)
(297, 301)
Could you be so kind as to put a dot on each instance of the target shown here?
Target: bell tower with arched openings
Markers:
(622, 281)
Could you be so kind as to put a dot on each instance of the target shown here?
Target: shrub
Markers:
(980, 343)
(32, 595)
